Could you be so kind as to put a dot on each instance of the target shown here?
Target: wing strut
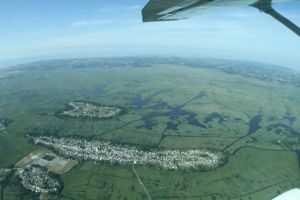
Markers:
(266, 7)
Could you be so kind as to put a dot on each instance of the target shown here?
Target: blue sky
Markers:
(35, 30)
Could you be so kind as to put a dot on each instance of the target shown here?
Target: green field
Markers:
(248, 111)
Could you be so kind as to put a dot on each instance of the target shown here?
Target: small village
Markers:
(84, 109)
(4, 173)
(2, 125)
(102, 151)
(33, 178)
(38, 180)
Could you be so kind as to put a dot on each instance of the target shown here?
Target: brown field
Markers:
(57, 164)
(36, 154)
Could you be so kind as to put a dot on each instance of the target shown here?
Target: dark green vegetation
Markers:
(249, 111)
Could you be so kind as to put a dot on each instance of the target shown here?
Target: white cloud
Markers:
(31, 18)
(117, 8)
(92, 22)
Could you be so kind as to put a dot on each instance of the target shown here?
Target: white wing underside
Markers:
(168, 10)
(209, 7)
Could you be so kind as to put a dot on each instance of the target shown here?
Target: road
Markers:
(141, 183)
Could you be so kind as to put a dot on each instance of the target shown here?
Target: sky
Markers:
(50, 29)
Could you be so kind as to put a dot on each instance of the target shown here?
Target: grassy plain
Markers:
(255, 121)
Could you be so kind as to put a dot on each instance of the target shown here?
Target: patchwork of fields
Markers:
(245, 111)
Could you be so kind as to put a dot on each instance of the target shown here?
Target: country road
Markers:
(141, 183)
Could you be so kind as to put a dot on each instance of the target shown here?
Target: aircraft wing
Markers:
(151, 11)
(168, 10)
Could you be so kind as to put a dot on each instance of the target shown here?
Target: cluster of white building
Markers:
(83, 109)
(4, 173)
(2, 125)
(34, 178)
(37, 179)
(98, 150)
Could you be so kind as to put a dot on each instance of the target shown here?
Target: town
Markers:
(84, 109)
(102, 151)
